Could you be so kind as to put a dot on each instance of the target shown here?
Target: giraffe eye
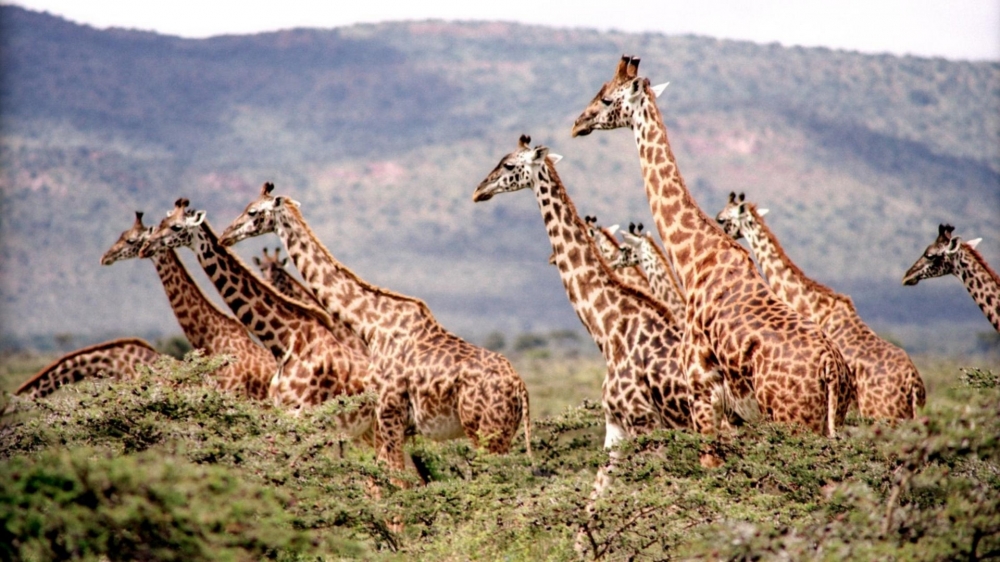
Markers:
(252, 212)
(176, 227)
(606, 101)
(509, 167)
(132, 240)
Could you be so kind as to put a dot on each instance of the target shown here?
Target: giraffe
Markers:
(249, 367)
(662, 282)
(118, 358)
(614, 254)
(888, 385)
(743, 348)
(644, 387)
(318, 359)
(272, 269)
(429, 381)
(950, 255)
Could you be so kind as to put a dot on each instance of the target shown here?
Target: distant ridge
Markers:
(381, 131)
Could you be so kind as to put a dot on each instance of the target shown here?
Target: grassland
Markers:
(167, 468)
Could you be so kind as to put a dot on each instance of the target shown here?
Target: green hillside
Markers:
(383, 131)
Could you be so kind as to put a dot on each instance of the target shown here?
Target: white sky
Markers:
(955, 29)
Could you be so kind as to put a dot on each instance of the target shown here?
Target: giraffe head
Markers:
(632, 248)
(615, 254)
(736, 217)
(518, 170)
(269, 265)
(129, 243)
(617, 101)
(259, 217)
(175, 230)
(940, 258)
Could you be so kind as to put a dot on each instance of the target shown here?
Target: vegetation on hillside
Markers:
(382, 131)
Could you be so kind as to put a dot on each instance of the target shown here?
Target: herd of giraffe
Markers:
(695, 335)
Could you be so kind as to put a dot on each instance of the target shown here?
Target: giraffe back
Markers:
(116, 358)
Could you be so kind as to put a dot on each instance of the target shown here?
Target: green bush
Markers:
(83, 504)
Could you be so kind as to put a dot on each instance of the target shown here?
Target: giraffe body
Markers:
(116, 358)
(428, 380)
(949, 255)
(645, 387)
(318, 359)
(888, 385)
(249, 367)
(742, 345)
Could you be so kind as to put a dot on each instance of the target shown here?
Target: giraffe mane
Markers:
(810, 283)
(89, 349)
(559, 190)
(313, 311)
(982, 262)
(424, 309)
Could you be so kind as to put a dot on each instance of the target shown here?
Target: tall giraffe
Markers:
(644, 388)
(662, 281)
(428, 380)
(950, 255)
(888, 385)
(741, 343)
(318, 359)
(613, 252)
(118, 358)
(249, 367)
(272, 269)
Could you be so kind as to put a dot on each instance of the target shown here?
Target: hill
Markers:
(383, 131)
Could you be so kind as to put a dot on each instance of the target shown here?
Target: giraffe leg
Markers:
(708, 394)
(613, 433)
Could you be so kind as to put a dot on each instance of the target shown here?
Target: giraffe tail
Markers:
(116, 358)
(525, 418)
(832, 399)
(918, 395)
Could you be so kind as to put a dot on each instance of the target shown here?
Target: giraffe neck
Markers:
(587, 278)
(270, 316)
(372, 312)
(112, 358)
(192, 308)
(687, 232)
(788, 282)
(661, 279)
(290, 286)
(982, 282)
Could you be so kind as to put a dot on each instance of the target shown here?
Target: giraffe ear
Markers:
(540, 153)
(658, 89)
(974, 242)
(256, 261)
(197, 218)
(953, 244)
(555, 158)
(283, 262)
(763, 212)
(613, 229)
